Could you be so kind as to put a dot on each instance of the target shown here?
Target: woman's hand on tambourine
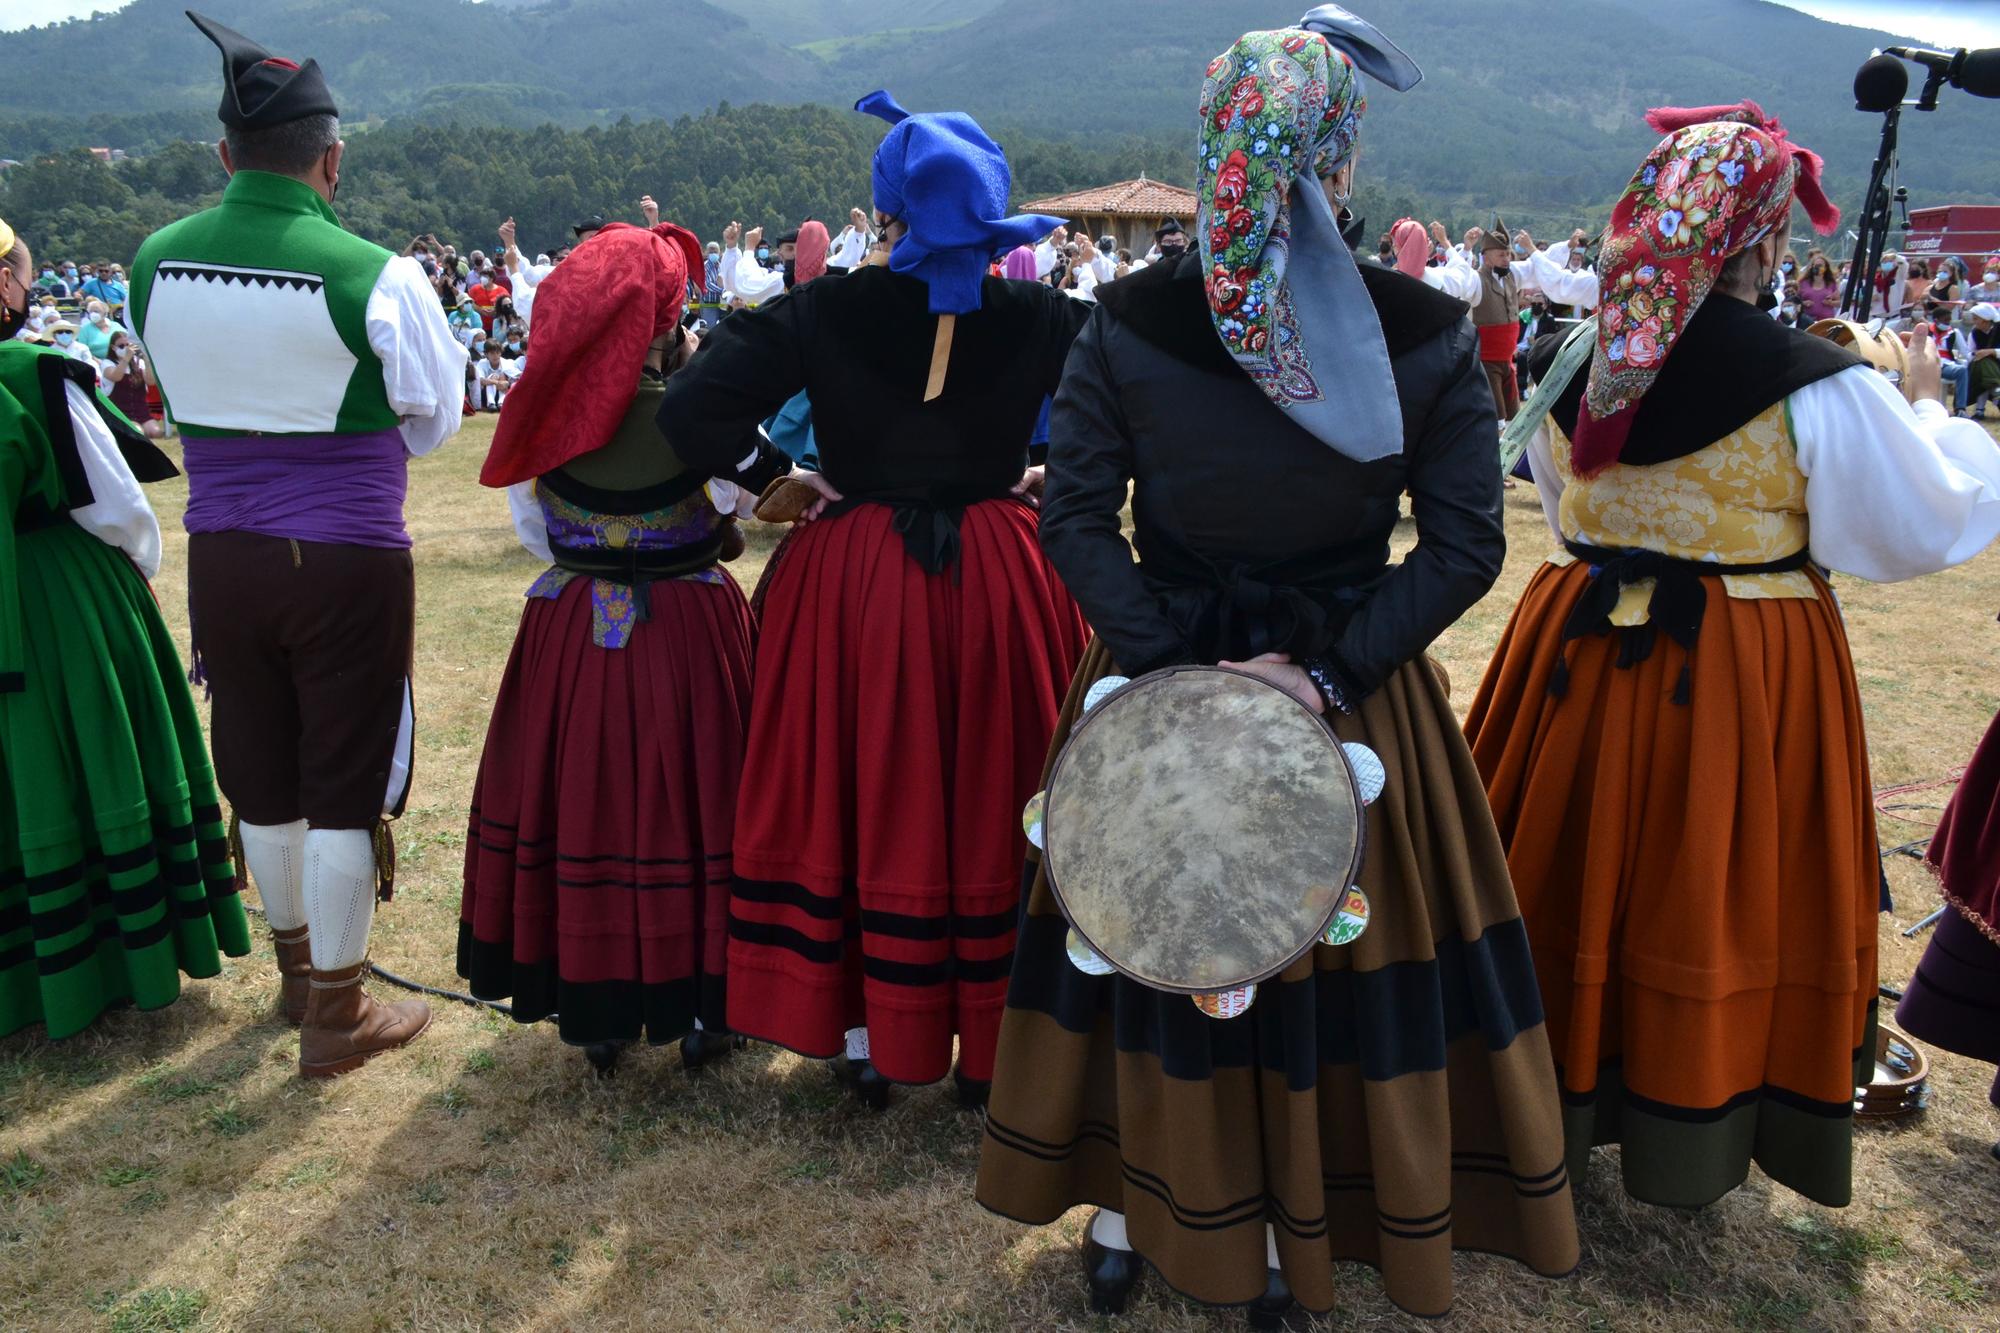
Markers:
(1029, 487)
(818, 482)
(1277, 669)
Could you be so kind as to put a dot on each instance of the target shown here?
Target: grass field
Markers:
(170, 1171)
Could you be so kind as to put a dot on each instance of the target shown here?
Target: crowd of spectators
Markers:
(80, 308)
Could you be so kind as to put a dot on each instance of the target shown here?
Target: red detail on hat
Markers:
(280, 62)
(595, 316)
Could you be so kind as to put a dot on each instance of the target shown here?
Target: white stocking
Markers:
(1271, 1247)
(275, 855)
(340, 895)
(1108, 1230)
(857, 1043)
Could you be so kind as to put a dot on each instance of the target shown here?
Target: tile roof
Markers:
(1140, 198)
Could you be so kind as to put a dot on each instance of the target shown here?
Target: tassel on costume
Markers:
(239, 865)
(1559, 678)
(384, 841)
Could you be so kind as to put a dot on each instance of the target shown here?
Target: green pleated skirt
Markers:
(115, 874)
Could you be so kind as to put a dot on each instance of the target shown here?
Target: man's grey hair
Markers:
(289, 149)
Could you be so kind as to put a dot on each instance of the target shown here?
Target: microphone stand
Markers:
(1859, 297)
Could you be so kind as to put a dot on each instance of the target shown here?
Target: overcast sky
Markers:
(1946, 22)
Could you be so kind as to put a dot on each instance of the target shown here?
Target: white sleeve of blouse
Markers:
(1455, 278)
(118, 515)
(1548, 482)
(1892, 491)
(1560, 283)
(423, 363)
(529, 525)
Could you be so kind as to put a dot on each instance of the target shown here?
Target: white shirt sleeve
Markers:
(423, 365)
(749, 279)
(529, 526)
(850, 250)
(118, 515)
(1562, 285)
(1105, 266)
(1454, 278)
(1891, 491)
(1548, 481)
(1045, 259)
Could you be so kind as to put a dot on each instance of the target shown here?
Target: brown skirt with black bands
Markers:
(1388, 1101)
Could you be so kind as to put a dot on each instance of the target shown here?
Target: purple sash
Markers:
(346, 489)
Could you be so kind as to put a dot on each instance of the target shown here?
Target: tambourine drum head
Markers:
(1201, 826)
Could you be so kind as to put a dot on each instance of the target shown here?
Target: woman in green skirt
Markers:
(115, 874)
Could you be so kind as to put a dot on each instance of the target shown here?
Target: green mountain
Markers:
(1535, 111)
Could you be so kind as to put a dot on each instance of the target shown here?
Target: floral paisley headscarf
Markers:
(1281, 112)
(1723, 179)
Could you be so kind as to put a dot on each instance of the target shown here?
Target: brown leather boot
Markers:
(344, 1027)
(295, 967)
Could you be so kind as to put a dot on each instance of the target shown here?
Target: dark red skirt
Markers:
(1954, 999)
(597, 866)
(899, 727)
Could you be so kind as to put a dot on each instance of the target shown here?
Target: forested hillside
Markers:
(1536, 112)
(759, 164)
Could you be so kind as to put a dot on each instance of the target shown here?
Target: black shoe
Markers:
(603, 1056)
(704, 1046)
(860, 1078)
(1269, 1310)
(972, 1092)
(1111, 1273)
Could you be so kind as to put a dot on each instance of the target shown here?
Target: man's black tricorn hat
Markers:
(260, 90)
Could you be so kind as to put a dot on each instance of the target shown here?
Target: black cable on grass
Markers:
(394, 980)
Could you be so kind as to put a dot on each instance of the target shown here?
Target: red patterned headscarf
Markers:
(1724, 178)
(595, 316)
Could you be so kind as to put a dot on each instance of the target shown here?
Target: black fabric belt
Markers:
(928, 527)
(639, 569)
(1677, 608)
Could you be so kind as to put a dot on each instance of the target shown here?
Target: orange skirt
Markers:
(1699, 883)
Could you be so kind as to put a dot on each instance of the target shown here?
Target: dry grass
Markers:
(169, 1171)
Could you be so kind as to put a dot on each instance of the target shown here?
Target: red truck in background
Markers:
(1970, 231)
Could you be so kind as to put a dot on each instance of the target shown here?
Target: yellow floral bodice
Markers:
(1740, 501)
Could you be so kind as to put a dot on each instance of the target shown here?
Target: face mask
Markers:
(64, 339)
(1888, 266)
(1521, 250)
(98, 318)
(1789, 266)
(1789, 311)
(762, 254)
(1990, 277)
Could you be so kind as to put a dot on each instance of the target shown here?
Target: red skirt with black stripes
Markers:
(597, 864)
(899, 725)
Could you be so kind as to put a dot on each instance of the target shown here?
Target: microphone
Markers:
(1880, 83)
(1976, 72)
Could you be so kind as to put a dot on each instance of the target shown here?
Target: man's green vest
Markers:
(254, 314)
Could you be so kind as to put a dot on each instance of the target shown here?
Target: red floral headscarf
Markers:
(1723, 179)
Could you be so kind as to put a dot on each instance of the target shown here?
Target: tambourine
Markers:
(1202, 830)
